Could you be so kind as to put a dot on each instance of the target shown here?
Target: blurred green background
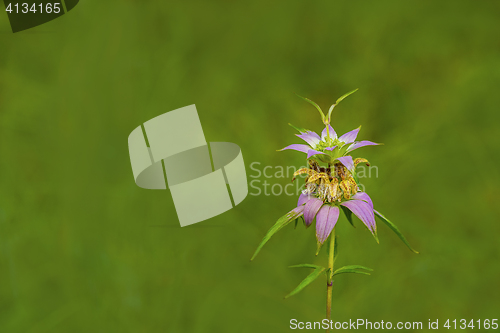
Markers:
(83, 249)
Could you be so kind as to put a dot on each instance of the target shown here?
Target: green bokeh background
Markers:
(83, 249)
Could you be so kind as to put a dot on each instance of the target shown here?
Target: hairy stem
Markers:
(329, 282)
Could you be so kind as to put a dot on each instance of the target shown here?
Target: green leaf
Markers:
(341, 98)
(356, 267)
(282, 221)
(305, 266)
(310, 278)
(330, 112)
(315, 105)
(348, 215)
(395, 229)
(352, 269)
(300, 129)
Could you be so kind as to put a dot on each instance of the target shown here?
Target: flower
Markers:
(328, 144)
(327, 189)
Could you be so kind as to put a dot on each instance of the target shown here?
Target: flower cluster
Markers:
(334, 185)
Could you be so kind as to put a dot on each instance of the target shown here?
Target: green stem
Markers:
(329, 282)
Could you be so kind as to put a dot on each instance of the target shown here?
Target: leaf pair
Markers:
(326, 119)
(318, 270)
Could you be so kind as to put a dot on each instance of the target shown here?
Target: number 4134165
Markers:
(479, 324)
(25, 8)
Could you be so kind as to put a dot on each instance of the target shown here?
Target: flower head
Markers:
(328, 188)
(335, 185)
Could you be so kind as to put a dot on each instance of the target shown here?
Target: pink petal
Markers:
(364, 211)
(312, 152)
(360, 144)
(302, 148)
(303, 198)
(310, 210)
(310, 137)
(363, 196)
(325, 222)
(349, 137)
(347, 162)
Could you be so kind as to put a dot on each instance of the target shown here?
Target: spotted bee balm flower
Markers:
(331, 186)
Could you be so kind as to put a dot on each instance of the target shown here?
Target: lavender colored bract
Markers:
(331, 186)
(328, 144)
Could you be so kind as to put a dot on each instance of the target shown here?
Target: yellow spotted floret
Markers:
(360, 160)
(320, 175)
(333, 190)
(301, 171)
(346, 189)
(354, 186)
(340, 171)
